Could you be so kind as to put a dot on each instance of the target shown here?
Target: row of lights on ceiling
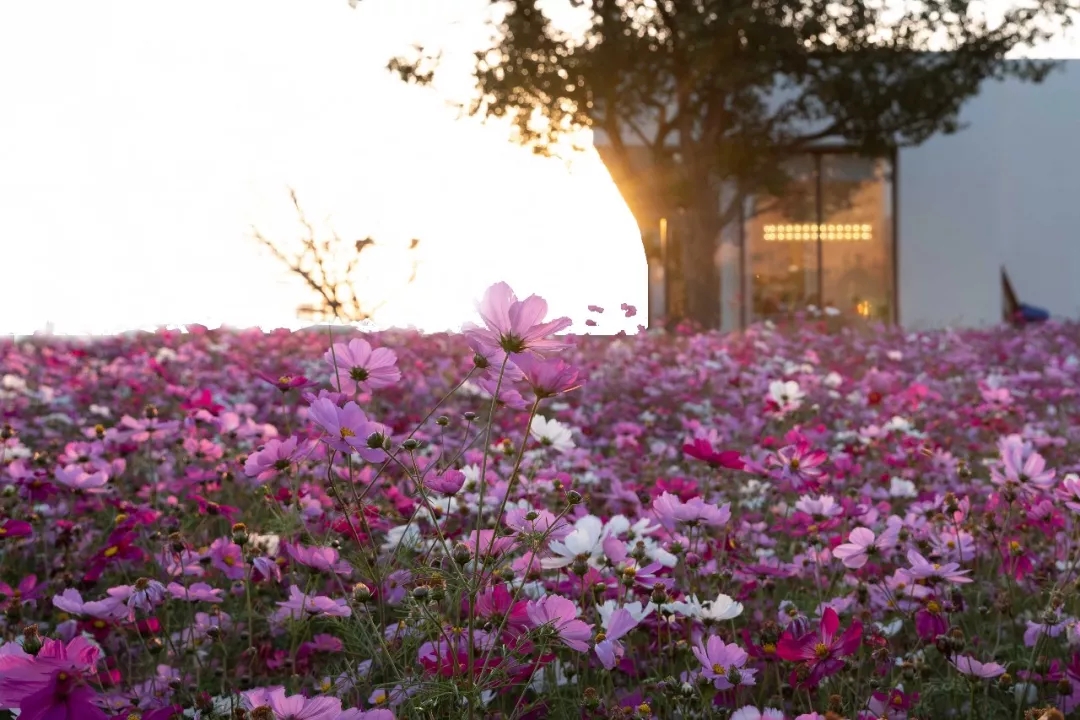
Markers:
(810, 232)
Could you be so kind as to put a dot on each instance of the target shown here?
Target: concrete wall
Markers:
(1003, 191)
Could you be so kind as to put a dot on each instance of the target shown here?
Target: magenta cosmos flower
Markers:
(360, 368)
(822, 649)
(52, 684)
(515, 326)
(863, 544)
(970, 666)
(293, 707)
(560, 615)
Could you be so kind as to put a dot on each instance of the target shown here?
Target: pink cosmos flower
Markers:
(671, 512)
(286, 381)
(324, 559)
(358, 714)
(724, 663)
(923, 569)
(293, 707)
(752, 713)
(76, 478)
(348, 429)
(799, 462)
(228, 557)
(448, 482)
(1070, 492)
(111, 608)
(196, 592)
(52, 684)
(361, 368)
(515, 326)
(970, 666)
(864, 544)
(560, 615)
(273, 458)
(300, 604)
(608, 648)
(145, 594)
(548, 377)
(1028, 474)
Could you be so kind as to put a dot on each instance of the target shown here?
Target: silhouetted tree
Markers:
(720, 92)
(328, 269)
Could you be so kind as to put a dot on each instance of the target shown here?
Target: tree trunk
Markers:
(697, 296)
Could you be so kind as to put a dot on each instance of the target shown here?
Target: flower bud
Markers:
(361, 593)
(590, 700)
(574, 497)
(421, 592)
(240, 534)
(31, 640)
(469, 416)
(442, 421)
(461, 553)
(410, 444)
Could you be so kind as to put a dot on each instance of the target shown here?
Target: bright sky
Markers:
(140, 140)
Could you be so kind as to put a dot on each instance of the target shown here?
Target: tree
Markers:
(719, 93)
(328, 268)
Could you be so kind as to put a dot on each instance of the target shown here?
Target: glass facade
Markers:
(827, 242)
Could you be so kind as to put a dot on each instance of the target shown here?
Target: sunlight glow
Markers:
(141, 141)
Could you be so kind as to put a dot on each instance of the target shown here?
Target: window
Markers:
(826, 241)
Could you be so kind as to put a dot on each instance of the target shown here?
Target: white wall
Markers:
(1002, 191)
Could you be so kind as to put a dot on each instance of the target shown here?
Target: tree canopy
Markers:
(719, 93)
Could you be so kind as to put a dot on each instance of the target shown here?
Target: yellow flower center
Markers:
(933, 607)
(62, 676)
(769, 648)
(3, 531)
(381, 700)
(109, 552)
(821, 650)
(230, 560)
(347, 432)
(284, 379)
(600, 637)
(794, 463)
(719, 669)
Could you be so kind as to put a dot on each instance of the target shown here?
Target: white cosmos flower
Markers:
(407, 535)
(833, 380)
(553, 433)
(722, 608)
(637, 611)
(583, 540)
(788, 396)
(901, 488)
(689, 606)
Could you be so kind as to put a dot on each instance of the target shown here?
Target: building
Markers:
(920, 238)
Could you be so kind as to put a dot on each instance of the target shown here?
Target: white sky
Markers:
(140, 140)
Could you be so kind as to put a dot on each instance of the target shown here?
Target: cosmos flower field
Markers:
(799, 523)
